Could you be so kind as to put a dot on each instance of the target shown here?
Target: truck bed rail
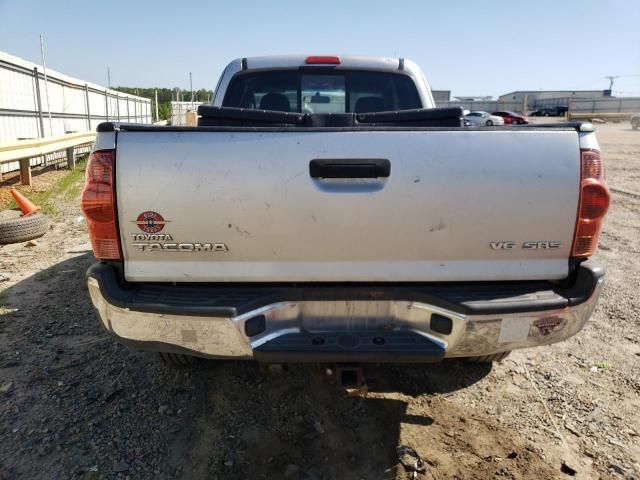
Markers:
(132, 127)
(424, 117)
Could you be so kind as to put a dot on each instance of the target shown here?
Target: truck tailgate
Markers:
(245, 206)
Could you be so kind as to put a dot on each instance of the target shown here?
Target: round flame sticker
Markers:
(150, 222)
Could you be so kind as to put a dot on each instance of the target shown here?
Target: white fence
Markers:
(179, 111)
(605, 105)
(31, 107)
(27, 101)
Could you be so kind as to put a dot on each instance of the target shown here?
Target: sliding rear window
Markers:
(337, 91)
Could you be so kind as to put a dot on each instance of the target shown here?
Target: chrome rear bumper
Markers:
(339, 330)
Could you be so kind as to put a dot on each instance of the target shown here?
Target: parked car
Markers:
(512, 118)
(480, 118)
(550, 112)
(363, 235)
(635, 121)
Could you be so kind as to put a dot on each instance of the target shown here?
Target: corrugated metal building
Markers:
(534, 95)
(441, 95)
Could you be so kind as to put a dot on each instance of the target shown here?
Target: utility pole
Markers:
(46, 83)
(108, 77)
(569, 108)
(611, 78)
(157, 119)
(191, 84)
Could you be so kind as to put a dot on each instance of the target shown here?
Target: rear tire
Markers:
(496, 357)
(176, 359)
(635, 125)
(489, 123)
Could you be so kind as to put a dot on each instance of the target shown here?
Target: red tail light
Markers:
(322, 59)
(98, 205)
(594, 203)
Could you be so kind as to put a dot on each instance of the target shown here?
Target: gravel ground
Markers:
(75, 404)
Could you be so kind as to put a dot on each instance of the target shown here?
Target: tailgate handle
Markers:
(350, 168)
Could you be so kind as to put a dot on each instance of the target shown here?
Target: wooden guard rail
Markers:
(24, 150)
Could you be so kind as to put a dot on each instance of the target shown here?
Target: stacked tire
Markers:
(16, 228)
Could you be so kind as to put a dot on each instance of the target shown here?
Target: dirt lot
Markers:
(75, 404)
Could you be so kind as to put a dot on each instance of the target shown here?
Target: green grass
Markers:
(66, 188)
(3, 308)
(603, 365)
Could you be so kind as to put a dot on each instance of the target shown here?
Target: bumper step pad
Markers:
(396, 346)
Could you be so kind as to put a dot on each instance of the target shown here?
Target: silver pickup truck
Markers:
(324, 210)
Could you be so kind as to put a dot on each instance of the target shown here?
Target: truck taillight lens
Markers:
(594, 203)
(98, 206)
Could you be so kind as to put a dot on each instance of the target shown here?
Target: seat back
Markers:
(275, 101)
(369, 104)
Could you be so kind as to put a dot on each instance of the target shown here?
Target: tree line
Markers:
(166, 96)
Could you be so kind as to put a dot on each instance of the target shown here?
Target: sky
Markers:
(470, 47)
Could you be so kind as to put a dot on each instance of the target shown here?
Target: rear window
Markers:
(322, 92)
